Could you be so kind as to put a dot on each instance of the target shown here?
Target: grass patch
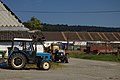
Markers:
(102, 57)
(53, 66)
(4, 51)
(31, 66)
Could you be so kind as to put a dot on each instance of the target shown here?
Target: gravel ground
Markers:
(77, 69)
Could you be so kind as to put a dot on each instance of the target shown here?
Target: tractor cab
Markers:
(26, 46)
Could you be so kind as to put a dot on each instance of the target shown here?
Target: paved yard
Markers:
(77, 69)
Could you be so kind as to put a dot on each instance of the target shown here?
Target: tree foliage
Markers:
(78, 28)
(33, 24)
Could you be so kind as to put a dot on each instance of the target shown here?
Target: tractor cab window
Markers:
(27, 46)
(17, 46)
(61, 46)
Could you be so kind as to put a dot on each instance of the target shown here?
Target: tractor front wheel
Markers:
(44, 65)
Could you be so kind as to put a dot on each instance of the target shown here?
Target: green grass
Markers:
(53, 66)
(4, 51)
(102, 57)
(31, 66)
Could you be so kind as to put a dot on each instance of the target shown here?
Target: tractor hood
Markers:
(45, 55)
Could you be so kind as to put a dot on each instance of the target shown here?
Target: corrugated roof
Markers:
(9, 35)
(72, 36)
(8, 20)
(57, 36)
(53, 36)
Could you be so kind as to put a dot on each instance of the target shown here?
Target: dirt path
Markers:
(77, 69)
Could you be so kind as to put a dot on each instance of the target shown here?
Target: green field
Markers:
(102, 57)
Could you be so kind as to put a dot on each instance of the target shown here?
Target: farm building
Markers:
(11, 27)
(8, 20)
(76, 40)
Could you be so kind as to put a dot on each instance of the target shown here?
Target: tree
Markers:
(33, 24)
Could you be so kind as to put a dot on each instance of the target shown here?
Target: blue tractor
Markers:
(26, 51)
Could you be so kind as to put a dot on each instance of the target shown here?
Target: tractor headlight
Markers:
(62, 54)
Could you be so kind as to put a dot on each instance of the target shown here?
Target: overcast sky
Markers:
(71, 12)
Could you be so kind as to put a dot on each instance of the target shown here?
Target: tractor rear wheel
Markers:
(17, 61)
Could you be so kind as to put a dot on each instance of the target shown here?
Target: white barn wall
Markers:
(4, 45)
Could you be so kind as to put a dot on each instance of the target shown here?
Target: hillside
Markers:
(78, 28)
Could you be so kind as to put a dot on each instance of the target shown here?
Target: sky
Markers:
(71, 12)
